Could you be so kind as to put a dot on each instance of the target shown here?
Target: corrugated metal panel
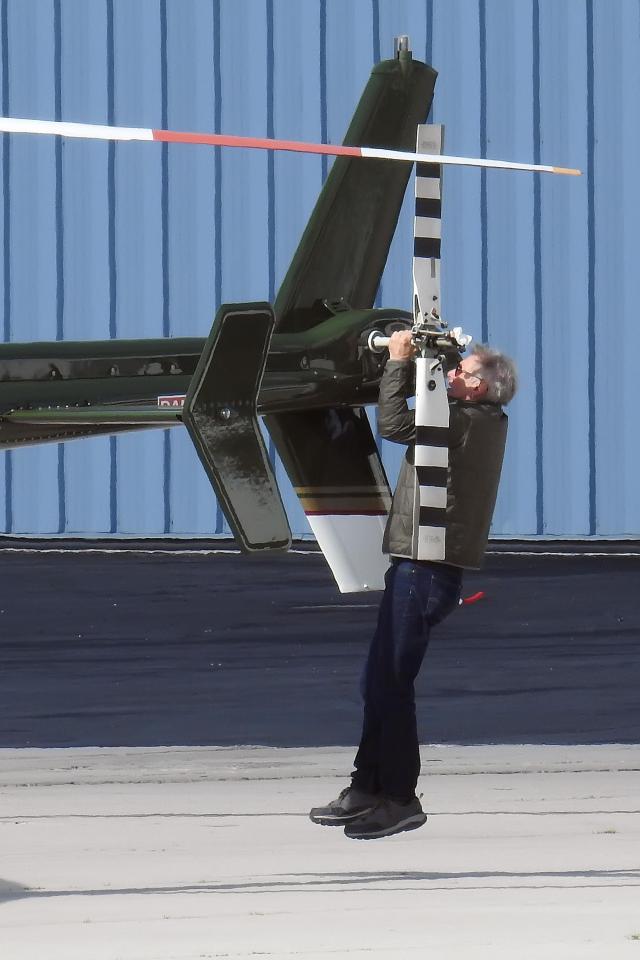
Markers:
(142, 240)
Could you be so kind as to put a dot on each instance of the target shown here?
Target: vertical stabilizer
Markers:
(344, 248)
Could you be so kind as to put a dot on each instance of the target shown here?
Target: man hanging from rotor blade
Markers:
(420, 593)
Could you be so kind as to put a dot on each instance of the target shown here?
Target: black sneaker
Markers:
(351, 803)
(387, 818)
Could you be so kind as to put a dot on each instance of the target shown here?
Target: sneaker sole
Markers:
(340, 820)
(412, 823)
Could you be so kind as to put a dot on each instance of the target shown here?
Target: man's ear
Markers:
(482, 389)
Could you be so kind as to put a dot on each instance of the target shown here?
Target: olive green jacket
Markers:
(477, 439)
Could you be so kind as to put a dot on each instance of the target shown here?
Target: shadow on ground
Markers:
(374, 881)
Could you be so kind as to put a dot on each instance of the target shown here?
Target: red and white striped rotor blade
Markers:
(91, 131)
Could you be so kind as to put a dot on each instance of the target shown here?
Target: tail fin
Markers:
(333, 463)
(344, 248)
(220, 413)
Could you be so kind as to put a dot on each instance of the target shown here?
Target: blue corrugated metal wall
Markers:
(144, 240)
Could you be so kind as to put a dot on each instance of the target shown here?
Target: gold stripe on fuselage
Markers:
(345, 490)
(334, 504)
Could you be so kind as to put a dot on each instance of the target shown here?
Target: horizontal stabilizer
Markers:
(220, 413)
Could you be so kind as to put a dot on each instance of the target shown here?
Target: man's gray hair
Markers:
(499, 373)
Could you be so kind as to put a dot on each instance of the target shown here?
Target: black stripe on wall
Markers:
(6, 232)
(484, 251)
(166, 292)
(217, 154)
(57, 86)
(375, 29)
(591, 282)
(271, 174)
(428, 31)
(537, 273)
(113, 288)
(111, 173)
(164, 100)
(323, 86)
(217, 184)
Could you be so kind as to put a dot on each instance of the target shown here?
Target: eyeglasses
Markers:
(461, 372)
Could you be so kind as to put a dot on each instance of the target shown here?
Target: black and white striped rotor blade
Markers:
(427, 224)
(431, 458)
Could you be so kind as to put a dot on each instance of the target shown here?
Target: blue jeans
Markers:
(417, 595)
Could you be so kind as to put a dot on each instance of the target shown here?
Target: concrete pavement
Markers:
(183, 853)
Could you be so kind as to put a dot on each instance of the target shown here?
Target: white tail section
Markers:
(352, 546)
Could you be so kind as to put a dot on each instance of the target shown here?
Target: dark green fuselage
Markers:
(60, 390)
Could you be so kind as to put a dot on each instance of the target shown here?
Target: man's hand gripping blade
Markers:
(220, 413)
